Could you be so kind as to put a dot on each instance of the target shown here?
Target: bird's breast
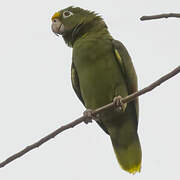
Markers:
(98, 72)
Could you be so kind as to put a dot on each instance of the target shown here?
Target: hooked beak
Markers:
(57, 27)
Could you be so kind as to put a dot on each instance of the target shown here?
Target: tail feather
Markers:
(126, 146)
(128, 156)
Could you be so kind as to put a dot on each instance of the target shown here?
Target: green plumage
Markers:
(102, 69)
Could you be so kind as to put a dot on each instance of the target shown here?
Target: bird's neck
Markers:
(96, 26)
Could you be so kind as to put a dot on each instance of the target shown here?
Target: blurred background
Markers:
(36, 96)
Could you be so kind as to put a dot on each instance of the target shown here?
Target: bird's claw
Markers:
(88, 113)
(119, 105)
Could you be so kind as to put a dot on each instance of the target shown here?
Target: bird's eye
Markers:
(67, 14)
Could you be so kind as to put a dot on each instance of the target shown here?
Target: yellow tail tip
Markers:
(134, 169)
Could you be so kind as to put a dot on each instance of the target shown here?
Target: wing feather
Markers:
(76, 87)
(128, 71)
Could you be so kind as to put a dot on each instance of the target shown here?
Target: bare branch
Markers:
(82, 118)
(159, 16)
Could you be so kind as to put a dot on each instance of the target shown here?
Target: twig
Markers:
(127, 99)
(159, 16)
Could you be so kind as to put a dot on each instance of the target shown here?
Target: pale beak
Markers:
(57, 27)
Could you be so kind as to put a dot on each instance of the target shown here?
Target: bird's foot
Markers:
(119, 105)
(88, 113)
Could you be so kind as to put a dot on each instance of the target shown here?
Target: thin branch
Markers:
(127, 99)
(159, 16)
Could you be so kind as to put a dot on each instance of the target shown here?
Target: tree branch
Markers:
(127, 99)
(159, 16)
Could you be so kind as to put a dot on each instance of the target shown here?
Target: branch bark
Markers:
(159, 16)
(127, 99)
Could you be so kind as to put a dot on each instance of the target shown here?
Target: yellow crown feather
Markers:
(56, 15)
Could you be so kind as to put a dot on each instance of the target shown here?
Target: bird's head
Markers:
(74, 22)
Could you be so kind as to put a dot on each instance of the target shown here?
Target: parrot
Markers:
(102, 72)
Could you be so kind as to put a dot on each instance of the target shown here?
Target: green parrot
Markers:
(102, 70)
